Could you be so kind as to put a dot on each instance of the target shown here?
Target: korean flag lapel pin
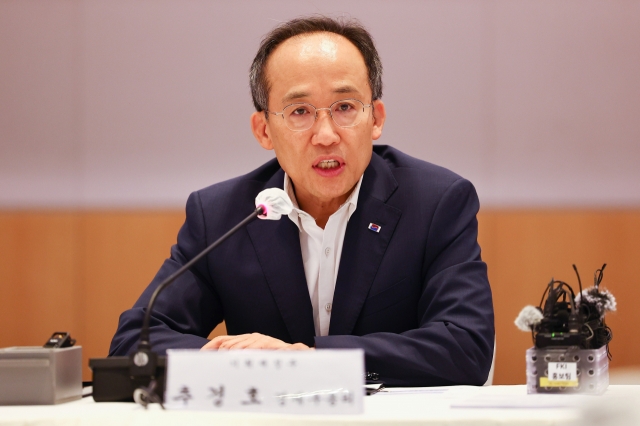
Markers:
(375, 228)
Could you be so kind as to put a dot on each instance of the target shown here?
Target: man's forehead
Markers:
(321, 51)
(318, 44)
(311, 46)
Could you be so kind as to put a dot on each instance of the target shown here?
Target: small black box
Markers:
(112, 380)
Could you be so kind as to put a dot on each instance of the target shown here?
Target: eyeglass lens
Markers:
(346, 113)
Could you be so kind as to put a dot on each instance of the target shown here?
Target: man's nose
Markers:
(325, 128)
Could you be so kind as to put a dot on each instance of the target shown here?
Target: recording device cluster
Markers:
(565, 319)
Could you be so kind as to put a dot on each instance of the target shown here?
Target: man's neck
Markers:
(319, 209)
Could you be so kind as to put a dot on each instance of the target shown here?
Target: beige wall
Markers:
(136, 103)
(77, 271)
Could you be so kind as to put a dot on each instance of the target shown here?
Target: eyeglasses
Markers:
(301, 116)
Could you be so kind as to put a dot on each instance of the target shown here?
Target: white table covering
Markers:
(459, 405)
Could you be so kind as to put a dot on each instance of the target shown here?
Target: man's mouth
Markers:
(328, 164)
(329, 167)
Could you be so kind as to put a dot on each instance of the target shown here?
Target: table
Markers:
(459, 405)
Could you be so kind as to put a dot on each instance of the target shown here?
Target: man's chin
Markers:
(335, 194)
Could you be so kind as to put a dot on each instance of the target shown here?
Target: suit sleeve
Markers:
(176, 325)
(454, 341)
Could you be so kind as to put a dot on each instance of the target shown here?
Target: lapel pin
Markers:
(375, 228)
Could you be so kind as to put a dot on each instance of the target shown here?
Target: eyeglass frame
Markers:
(320, 109)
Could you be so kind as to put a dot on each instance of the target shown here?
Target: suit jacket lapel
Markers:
(363, 249)
(277, 244)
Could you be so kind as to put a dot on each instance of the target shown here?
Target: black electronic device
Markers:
(559, 339)
(113, 381)
(60, 339)
(562, 323)
(564, 319)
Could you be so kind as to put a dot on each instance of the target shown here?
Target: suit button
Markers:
(328, 307)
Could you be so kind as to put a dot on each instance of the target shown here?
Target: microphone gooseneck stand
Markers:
(116, 378)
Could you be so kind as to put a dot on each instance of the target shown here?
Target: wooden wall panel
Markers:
(39, 265)
(78, 271)
(122, 251)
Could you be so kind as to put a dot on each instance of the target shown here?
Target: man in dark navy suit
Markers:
(380, 251)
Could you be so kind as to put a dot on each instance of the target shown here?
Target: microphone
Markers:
(271, 204)
(145, 364)
(528, 318)
(275, 203)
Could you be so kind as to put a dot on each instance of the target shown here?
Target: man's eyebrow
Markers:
(299, 94)
(294, 95)
(346, 89)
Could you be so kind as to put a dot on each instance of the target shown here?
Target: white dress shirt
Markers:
(321, 251)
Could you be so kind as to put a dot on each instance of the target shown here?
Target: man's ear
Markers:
(260, 129)
(379, 116)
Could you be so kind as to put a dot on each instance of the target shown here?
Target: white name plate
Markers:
(561, 374)
(297, 382)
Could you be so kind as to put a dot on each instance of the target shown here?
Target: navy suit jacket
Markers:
(415, 296)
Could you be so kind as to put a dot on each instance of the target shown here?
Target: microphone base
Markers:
(113, 382)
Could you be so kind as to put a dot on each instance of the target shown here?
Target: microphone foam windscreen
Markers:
(602, 301)
(529, 317)
(276, 203)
